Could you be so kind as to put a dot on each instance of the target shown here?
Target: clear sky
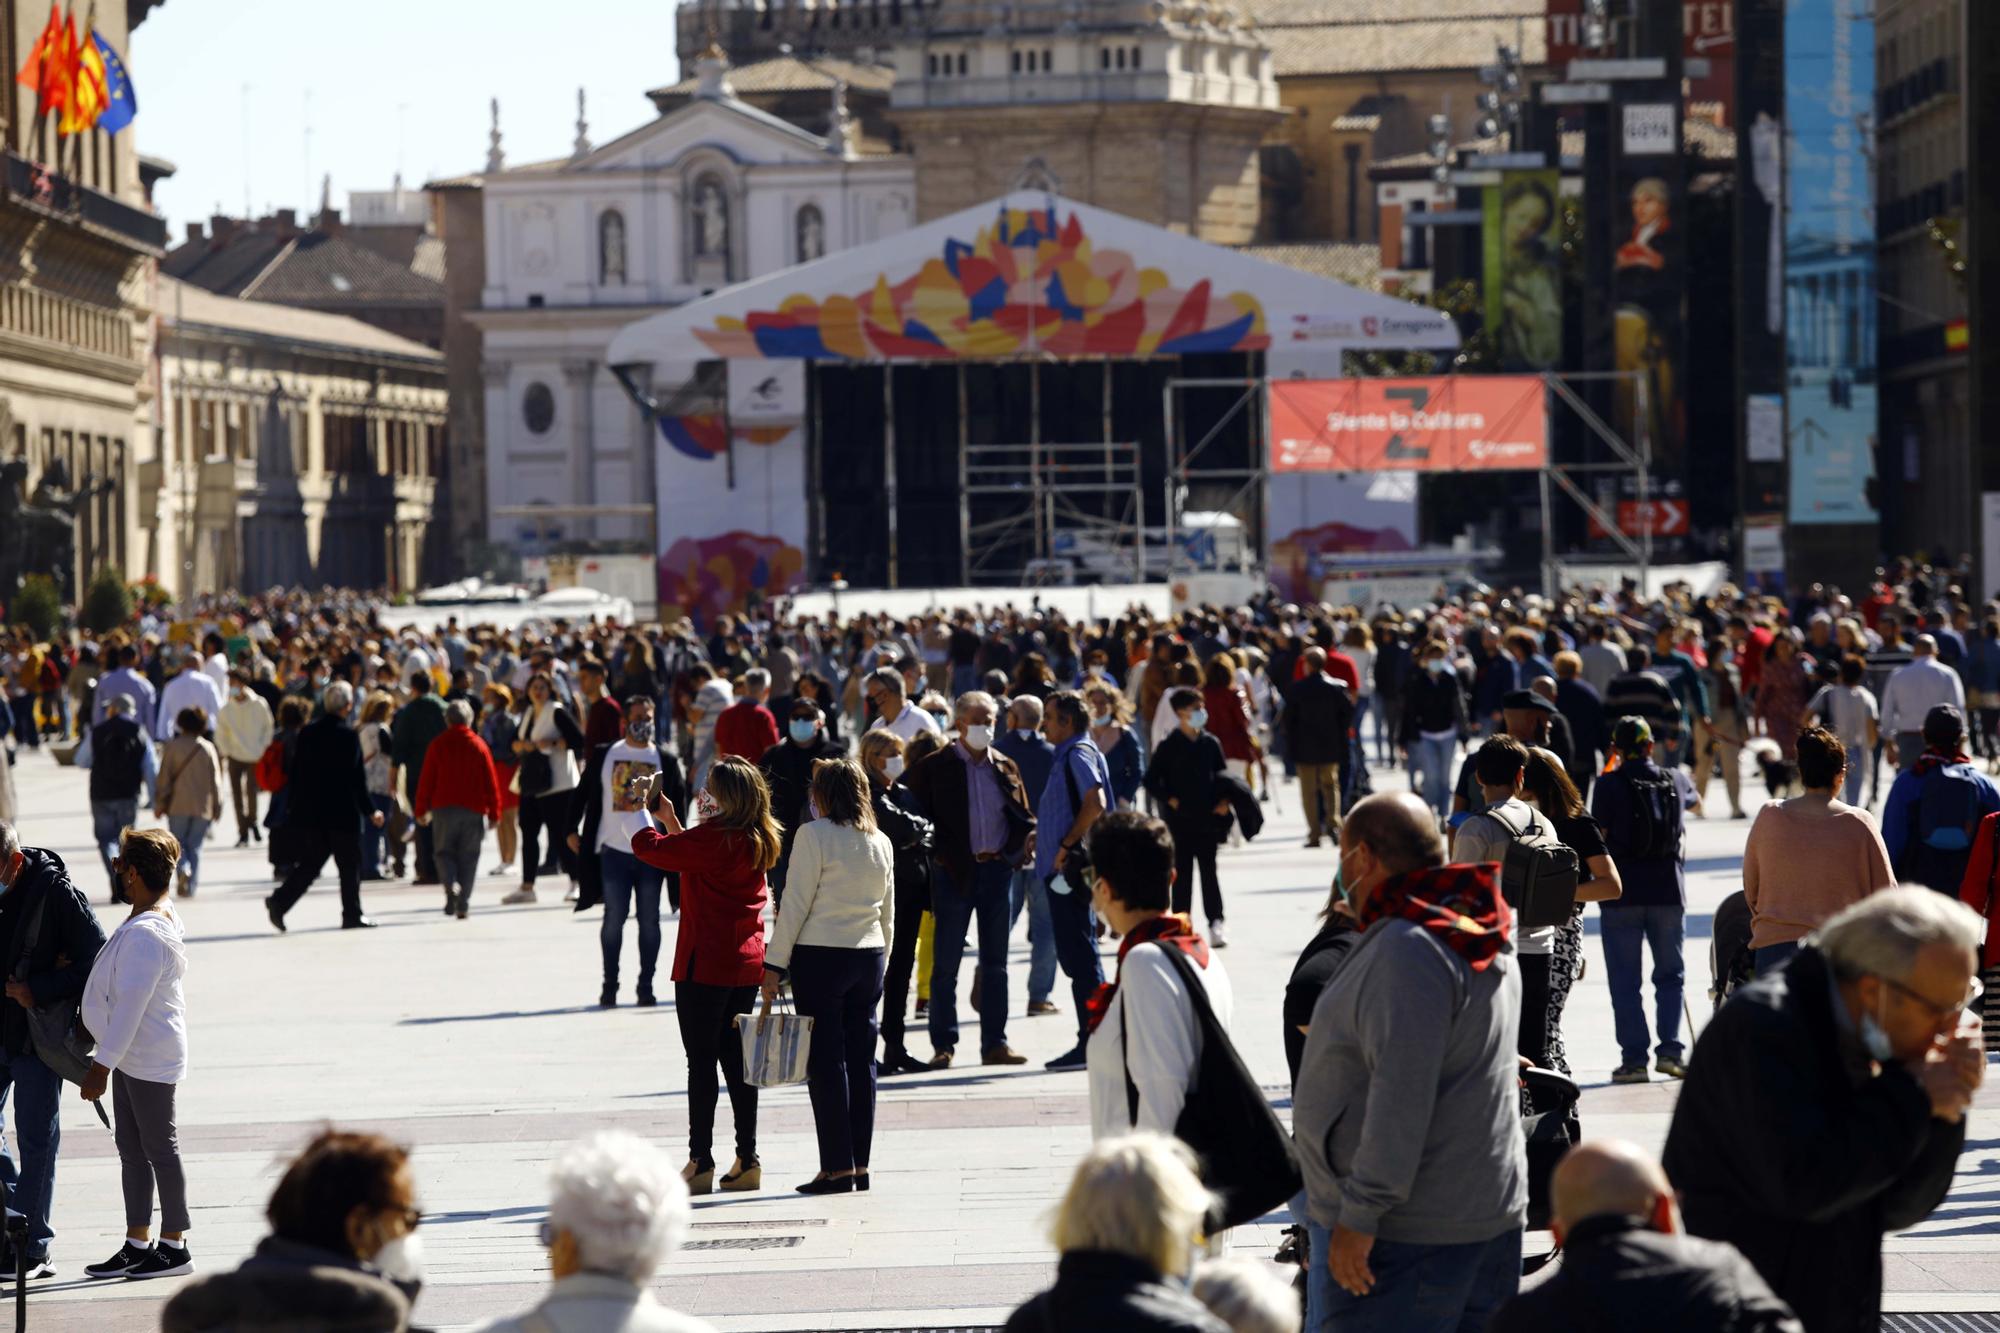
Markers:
(228, 90)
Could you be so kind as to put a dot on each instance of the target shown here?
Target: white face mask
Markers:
(892, 767)
(402, 1259)
(978, 738)
(1025, 733)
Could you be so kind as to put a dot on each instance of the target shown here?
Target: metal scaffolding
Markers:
(1080, 503)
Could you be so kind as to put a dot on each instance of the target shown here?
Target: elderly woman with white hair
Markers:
(617, 1212)
(1130, 1232)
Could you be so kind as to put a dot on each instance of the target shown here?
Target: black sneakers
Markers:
(129, 1257)
(163, 1261)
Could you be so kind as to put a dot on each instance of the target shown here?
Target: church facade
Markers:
(712, 193)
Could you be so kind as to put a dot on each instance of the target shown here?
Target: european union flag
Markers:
(124, 103)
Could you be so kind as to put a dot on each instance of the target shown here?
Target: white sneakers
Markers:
(1217, 937)
(524, 894)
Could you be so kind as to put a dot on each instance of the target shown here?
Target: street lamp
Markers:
(1440, 128)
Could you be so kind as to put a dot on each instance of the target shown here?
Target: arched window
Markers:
(610, 248)
(1135, 57)
(1121, 57)
(961, 62)
(1104, 57)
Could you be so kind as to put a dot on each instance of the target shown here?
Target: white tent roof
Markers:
(1030, 274)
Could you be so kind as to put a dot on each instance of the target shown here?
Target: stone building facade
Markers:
(296, 448)
(79, 245)
(711, 193)
(1155, 111)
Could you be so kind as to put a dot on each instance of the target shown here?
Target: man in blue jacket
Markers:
(1934, 807)
(1035, 757)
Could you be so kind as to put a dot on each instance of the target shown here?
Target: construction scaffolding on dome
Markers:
(980, 400)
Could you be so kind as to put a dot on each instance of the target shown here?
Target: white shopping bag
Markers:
(775, 1046)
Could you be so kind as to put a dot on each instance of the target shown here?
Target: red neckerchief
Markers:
(1460, 904)
(1170, 930)
(1936, 758)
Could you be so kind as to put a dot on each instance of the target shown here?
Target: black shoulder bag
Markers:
(56, 1030)
(1247, 1158)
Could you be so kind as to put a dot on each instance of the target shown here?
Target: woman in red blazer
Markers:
(719, 950)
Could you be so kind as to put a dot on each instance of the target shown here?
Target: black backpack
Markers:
(1247, 1159)
(1656, 814)
(1538, 880)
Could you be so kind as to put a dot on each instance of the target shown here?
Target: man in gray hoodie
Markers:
(1407, 1109)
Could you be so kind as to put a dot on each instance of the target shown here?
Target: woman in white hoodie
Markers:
(134, 1006)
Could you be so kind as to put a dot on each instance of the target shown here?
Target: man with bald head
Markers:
(1628, 1264)
(1911, 693)
(1406, 1111)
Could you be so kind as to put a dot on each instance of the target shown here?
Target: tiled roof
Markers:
(1371, 36)
(224, 264)
(786, 74)
(184, 304)
(302, 268)
(1356, 264)
(320, 269)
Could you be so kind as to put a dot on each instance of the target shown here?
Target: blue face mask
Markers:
(1436, 666)
(803, 729)
(1876, 1039)
(1100, 720)
(1198, 718)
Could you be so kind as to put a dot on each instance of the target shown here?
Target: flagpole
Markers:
(76, 74)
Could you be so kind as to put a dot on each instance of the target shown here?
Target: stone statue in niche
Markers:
(812, 234)
(711, 216)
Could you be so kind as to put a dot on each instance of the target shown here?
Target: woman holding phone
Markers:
(719, 950)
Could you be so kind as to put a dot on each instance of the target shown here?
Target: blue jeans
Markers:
(955, 911)
(1076, 949)
(1774, 956)
(375, 841)
(1430, 772)
(1857, 773)
(189, 831)
(1026, 889)
(625, 877)
(1625, 928)
(31, 1183)
(107, 820)
(1418, 1288)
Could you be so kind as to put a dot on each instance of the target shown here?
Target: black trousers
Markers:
(1195, 847)
(707, 1016)
(548, 811)
(1534, 1042)
(839, 989)
(313, 847)
(910, 908)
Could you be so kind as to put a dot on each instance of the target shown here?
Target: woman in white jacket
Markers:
(1145, 1041)
(834, 930)
(134, 1006)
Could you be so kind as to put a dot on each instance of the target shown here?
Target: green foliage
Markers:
(107, 602)
(38, 605)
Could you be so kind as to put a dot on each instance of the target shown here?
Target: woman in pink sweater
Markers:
(1810, 856)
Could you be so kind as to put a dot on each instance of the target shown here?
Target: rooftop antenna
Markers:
(247, 214)
(582, 145)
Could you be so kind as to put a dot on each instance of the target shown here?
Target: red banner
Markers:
(1453, 423)
(1666, 518)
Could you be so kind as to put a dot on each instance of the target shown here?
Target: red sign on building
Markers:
(1709, 33)
(1666, 518)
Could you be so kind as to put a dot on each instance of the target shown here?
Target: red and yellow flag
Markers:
(87, 96)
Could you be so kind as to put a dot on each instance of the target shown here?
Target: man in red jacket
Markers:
(458, 796)
(746, 727)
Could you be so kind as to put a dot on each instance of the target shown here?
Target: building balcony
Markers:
(37, 188)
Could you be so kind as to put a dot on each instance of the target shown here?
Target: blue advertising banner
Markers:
(1830, 259)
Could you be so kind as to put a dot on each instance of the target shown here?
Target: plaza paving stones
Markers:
(479, 1043)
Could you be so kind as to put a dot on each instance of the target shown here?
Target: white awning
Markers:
(1030, 274)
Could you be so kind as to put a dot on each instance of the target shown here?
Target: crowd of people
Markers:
(840, 810)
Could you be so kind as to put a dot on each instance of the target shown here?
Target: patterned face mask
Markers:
(705, 807)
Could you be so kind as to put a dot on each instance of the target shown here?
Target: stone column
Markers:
(644, 466)
(500, 428)
(581, 377)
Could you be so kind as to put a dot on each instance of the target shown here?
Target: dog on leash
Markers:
(1781, 775)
